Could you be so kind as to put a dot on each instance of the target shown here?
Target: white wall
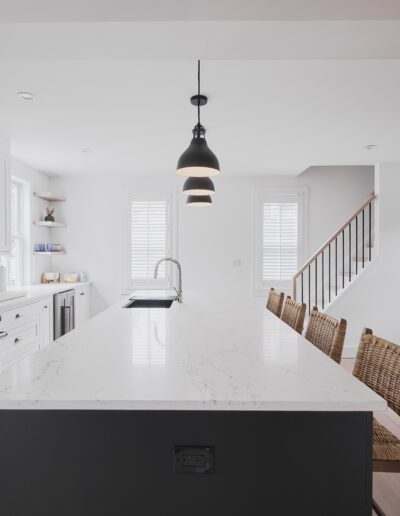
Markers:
(36, 182)
(373, 301)
(4, 146)
(209, 239)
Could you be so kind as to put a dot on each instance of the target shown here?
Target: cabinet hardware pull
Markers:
(3, 334)
(17, 316)
(45, 306)
(82, 293)
(16, 340)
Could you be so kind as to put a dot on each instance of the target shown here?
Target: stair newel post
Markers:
(350, 252)
(322, 277)
(356, 245)
(329, 273)
(363, 237)
(309, 289)
(302, 287)
(336, 266)
(343, 259)
(316, 281)
(370, 232)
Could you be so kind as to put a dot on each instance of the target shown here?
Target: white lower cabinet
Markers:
(82, 304)
(29, 327)
(20, 332)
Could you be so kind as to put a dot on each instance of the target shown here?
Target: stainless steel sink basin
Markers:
(149, 303)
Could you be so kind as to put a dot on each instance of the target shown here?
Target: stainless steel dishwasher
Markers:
(64, 313)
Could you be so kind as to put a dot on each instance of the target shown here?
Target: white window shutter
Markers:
(280, 240)
(149, 234)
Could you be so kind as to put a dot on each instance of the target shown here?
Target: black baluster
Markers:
(363, 237)
(322, 274)
(329, 275)
(343, 259)
(309, 289)
(356, 245)
(350, 251)
(370, 232)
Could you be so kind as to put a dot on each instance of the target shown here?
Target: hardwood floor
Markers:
(386, 485)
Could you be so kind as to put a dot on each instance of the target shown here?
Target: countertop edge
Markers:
(245, 406)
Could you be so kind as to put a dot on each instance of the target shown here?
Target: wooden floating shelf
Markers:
(48, 253)
(49, 224)
(48, 196)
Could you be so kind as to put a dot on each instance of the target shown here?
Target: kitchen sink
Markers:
(149, 303)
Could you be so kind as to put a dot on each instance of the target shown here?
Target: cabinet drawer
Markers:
(18, 316)
(19, 337)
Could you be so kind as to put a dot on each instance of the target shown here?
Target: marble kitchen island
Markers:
(213, 406)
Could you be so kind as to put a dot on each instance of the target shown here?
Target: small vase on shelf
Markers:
(49, 217)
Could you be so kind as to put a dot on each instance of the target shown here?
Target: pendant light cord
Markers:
(198, 91)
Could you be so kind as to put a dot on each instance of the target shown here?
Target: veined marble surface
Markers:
(208, 353)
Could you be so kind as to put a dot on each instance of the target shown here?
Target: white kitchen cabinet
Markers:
(46, 321)
(82, 304)
(4, 205)
(19, 333)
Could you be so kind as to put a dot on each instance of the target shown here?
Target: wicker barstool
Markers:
(326, 333)
(293, 314)
(378, 366)
(275, 302)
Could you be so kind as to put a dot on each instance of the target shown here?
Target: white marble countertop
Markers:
(205, 354)
(35, 292)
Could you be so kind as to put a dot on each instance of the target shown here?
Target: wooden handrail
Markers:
(371, 198)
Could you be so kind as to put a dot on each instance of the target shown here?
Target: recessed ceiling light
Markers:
(86, 150)
(371, 146)
(25, 95)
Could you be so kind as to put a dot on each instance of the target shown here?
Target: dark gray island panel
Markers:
(83, 463)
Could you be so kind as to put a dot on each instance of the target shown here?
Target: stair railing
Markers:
(334, 246)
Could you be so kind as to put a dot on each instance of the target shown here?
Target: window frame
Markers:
(149, 194)
(20, 240)
(262, 195)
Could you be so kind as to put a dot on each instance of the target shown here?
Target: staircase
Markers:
(339, 261)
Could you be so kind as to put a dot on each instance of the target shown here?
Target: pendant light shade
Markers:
(198, 186)
(198, 160)
(199, 200)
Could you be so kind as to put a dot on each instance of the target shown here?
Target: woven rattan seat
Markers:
(326, 333)
(386, 445)
(378, 366)
(293, 314)
(275, 302)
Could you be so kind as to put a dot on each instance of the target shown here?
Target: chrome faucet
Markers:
(179, 289)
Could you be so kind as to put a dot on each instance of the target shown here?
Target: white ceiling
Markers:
(286, 91)
(263, 116)
(174, 10)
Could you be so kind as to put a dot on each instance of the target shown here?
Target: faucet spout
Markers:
(178, 265)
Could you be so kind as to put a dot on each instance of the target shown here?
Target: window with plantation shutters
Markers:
(280, 240)
(280, 232)
(148, 219)
(148, 238)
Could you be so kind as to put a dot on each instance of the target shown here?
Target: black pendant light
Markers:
(198, 186)
(199, 200)
(198, 160)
